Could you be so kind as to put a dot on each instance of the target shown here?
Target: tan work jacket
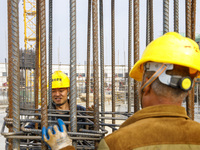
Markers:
(161, 127)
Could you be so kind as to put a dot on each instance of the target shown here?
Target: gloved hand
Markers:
(59, 139)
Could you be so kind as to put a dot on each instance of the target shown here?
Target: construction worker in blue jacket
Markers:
(60, 100)
(167, 70)
(60, 94)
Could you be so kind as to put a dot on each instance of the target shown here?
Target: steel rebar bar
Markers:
(176, 15)
(95, 65)
(129, 52)
(136, 53)
(44, 115)
(189, 99)
(73, 88)
(10, 89)
(37, 59)
(50, 53)
(113, 55)
(165, 16)
(15, 70)
(102, 57)
(88, 55)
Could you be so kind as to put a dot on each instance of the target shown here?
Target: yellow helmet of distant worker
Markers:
(170, 48)
(60, 80)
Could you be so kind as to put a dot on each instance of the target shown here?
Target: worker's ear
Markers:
(68, 91)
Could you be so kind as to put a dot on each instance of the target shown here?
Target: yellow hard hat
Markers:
(60, 80)
(170, 48)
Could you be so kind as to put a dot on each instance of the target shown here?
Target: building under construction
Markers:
(95, 83)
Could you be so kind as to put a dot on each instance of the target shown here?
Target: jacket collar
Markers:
(157, 111)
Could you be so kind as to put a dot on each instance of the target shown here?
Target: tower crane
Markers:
(29, 24)
(29, 15)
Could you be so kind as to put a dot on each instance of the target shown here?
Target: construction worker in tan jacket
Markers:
(167, 70)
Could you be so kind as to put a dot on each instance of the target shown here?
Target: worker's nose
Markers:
(57, 93)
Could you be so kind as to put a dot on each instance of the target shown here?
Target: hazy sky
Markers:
(61, 29)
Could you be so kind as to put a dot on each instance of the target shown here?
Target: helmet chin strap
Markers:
(154, 76)
(175, 81)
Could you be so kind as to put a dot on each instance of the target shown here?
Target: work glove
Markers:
(57, 137)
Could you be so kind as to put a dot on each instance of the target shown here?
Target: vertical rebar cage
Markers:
(109, 88)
